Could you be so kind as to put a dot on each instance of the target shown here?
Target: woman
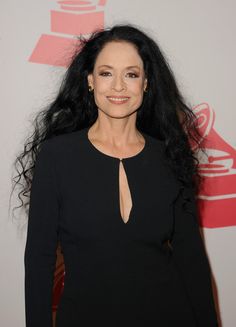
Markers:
(114, 183)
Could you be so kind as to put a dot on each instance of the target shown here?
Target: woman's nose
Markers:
(118, 84)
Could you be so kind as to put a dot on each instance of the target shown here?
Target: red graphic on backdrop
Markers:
(73, 18)
(217, 197)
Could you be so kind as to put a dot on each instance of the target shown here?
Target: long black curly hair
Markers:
(163, 113)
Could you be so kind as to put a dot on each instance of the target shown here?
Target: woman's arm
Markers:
(41, 242)
(188, 253)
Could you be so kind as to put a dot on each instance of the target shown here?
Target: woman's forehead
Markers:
(115, 54)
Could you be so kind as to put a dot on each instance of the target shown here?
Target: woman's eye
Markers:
(133, 75)
(104, 73)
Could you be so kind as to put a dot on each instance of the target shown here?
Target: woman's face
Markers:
(118, 79)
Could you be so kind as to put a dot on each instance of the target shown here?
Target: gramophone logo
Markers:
(71, 19)
(217, 197)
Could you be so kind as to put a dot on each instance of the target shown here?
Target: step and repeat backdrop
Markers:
(198, 39)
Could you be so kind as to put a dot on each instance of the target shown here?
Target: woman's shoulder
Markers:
(155, 145)
(70, 137)
(63, 144)
(155, 141)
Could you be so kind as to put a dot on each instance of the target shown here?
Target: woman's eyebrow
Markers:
(108, 66)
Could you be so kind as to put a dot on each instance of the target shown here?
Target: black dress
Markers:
(116, 273)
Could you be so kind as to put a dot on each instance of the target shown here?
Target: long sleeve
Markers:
(190, 259)
(41, 241)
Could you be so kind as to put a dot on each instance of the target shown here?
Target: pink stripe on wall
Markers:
(102, 2)
(88, 8)
(75, 24)
(53, 50)
(217, 213)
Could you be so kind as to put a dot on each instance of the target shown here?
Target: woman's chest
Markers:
(108, 199)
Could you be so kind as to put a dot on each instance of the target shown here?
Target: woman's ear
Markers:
(145, 84)
(90, 80)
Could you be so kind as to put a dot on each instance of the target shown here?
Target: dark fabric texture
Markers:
(151, 271)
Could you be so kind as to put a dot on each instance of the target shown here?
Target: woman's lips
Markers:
(118, 100)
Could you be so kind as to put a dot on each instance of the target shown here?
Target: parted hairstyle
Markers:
(163, 113)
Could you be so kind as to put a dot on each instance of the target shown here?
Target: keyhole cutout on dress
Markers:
(125, 198)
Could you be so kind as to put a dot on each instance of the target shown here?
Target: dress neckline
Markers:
(99, 152)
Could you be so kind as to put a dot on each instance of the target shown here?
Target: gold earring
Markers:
(90, 88)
